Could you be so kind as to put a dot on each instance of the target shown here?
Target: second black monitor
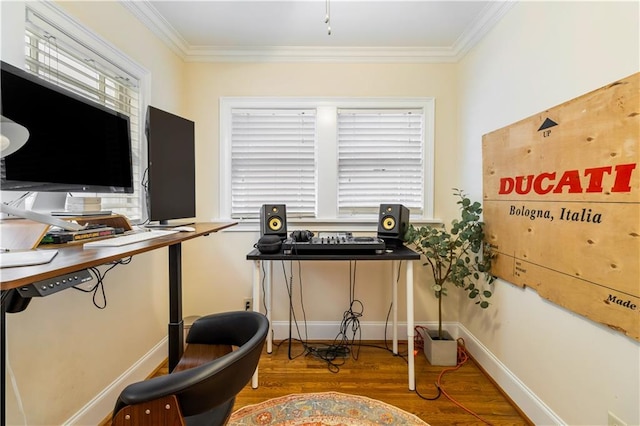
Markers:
(172, 171)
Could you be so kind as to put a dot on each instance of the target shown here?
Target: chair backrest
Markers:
(203, 388)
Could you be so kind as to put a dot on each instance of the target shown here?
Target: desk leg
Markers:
(394, 286)
(267, 295)
(410, 327)
(268, 302)
(256, 308)
(3, 329)
(176, 325)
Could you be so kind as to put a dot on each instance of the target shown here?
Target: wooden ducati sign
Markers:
(562, 204)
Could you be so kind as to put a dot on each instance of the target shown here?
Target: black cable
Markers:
(386, 324)
(357, 315)
(402, 356)
(144, 182)
(351, 317)
(264, 289)
(327, 353)
(302, 308)
(342, 345)
(99, 285)
(292, 314)
(291, 310)
(429, 398)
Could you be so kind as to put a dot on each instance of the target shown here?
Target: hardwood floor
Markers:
(378, 374)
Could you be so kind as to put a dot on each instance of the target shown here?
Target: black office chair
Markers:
(205, 394)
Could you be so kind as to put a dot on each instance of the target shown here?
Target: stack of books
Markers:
(92, 231)
(83, 206)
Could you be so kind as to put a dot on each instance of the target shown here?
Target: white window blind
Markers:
(273, 160)
(358, 154)
(58, 57)
(380, 159)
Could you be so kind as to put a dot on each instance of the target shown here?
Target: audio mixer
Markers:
(334, 243)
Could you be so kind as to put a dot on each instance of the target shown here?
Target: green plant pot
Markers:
(440, 352)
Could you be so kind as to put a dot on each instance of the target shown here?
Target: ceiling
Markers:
(295, 30)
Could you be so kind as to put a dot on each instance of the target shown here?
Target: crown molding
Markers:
(159, 26)
(490, 16)
(319, 54)
(156, 23)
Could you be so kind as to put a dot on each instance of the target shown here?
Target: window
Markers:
(273, 159)
(326, 159)
(82, 66)
(380, 158)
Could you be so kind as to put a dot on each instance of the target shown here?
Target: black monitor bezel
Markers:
(80, 187)
(171, 178)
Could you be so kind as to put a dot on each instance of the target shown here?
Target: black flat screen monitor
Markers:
(74, 145)
(172, 170)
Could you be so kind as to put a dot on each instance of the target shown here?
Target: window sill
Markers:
(323, 225)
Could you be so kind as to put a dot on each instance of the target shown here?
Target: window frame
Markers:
(327, 217)
(75, 30)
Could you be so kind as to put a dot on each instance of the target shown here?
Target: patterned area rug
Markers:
(323, 409)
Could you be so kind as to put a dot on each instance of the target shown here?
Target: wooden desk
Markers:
(395, 256)
(76, 258)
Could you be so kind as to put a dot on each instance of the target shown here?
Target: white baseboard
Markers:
(328, 330)
(96, 410)
(533, 407)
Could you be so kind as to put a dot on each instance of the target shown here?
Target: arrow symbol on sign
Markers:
(547, 123)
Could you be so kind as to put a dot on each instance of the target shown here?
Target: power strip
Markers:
(56, 284)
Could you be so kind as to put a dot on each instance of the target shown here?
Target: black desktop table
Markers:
(394, 255)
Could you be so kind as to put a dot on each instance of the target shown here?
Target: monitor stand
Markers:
(165, 224)
(46, 202)
(40, 217)
(38, 206)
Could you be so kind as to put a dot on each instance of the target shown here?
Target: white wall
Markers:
(326, 296)
(540, 55)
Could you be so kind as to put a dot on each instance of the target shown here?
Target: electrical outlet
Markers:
(613, 420)
(248, 304)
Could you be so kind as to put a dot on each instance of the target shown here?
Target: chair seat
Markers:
(208, 376)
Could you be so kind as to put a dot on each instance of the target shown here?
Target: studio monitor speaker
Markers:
(393, 222)
(273, 220)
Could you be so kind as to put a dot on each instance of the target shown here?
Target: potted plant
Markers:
(459, 256)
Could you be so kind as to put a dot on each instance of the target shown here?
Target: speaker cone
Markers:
(388, 223)
(275, 223)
